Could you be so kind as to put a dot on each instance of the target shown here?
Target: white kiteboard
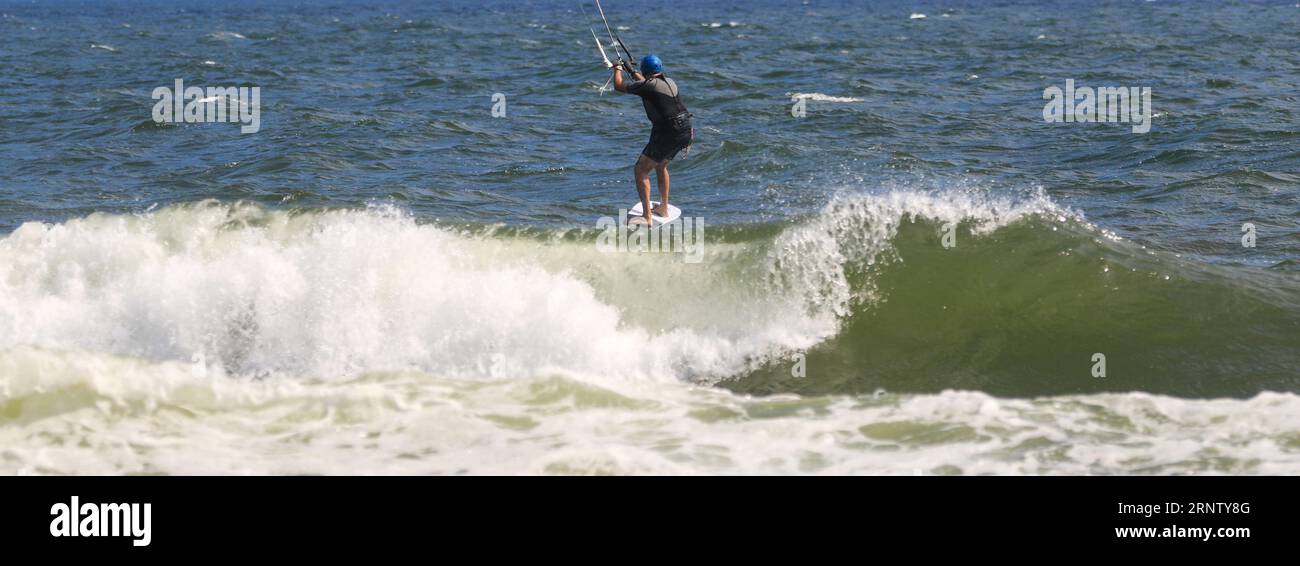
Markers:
(673, 213)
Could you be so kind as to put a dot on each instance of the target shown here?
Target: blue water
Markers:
(391, 102)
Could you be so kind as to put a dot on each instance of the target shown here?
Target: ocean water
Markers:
(388, 279)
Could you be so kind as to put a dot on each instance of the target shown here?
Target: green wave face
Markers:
(1022, 310)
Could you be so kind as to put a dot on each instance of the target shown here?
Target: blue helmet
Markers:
(650, 64)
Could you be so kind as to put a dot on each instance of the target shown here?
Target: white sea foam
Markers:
(819, 97)
(93, 414)
(224, 35)
(337, 294)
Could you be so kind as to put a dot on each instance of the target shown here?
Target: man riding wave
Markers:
(671, 130)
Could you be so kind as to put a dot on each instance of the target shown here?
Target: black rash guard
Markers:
(661, 99)
(672, 130)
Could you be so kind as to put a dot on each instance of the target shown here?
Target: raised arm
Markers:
(618, 79)
(619, 85)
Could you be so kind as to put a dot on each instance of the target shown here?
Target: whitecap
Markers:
(224, 35)
(819, 97)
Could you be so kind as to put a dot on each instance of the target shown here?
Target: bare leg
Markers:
(661, 172)
(642, 173)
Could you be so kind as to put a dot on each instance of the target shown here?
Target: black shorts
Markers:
(667, 140)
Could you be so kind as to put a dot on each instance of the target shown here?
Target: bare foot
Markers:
(661, 210)
(640, 221)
